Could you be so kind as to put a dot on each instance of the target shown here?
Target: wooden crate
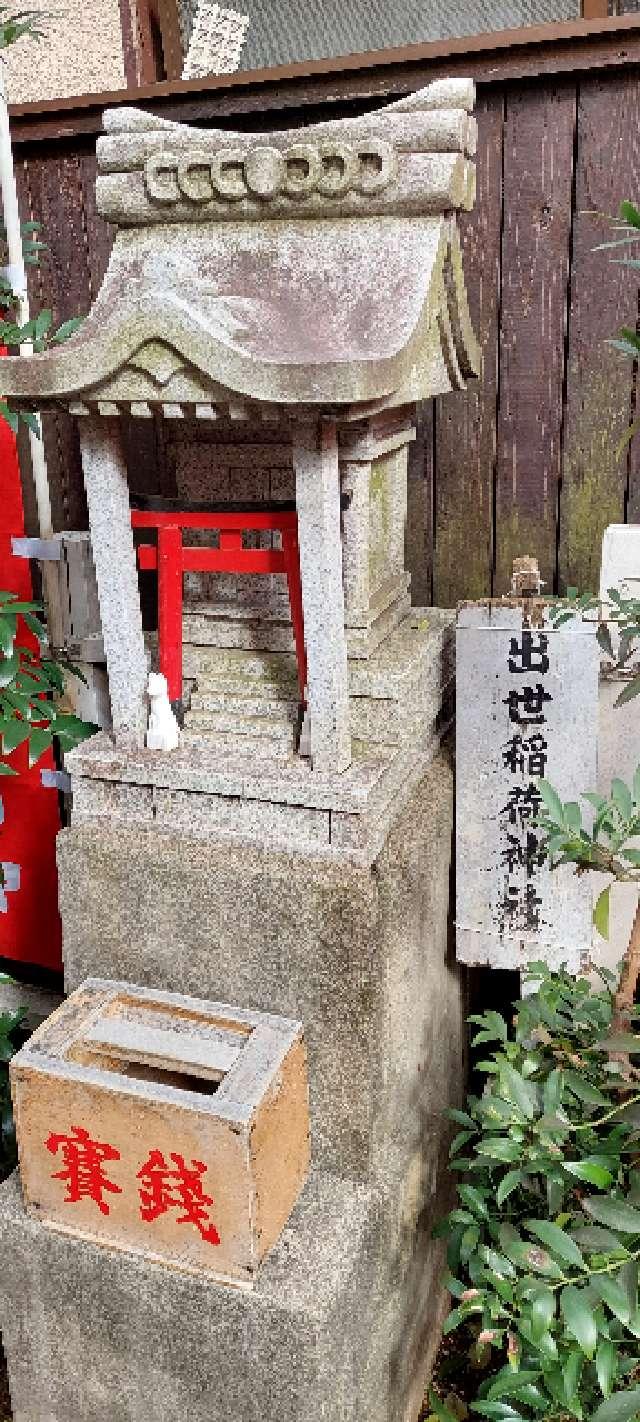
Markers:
(164, 1125)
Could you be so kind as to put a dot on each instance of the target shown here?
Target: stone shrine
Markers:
(284, 301)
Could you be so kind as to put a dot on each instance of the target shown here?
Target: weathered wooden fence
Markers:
(527, 460)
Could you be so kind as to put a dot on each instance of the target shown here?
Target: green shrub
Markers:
(544, 1244)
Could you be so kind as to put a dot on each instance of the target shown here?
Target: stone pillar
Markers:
(373, 475)
(355, 478)
(315, 457)
(105, 477)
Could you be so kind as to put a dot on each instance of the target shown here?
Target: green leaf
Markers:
(35, 626)
(8, 626)
(9, 416)
(522, 1092)
(628, 1280)
(66, 329)
(508, 1184)
(552, 1091)
(542, 1311)
(571, 1375)
(606, 1365)
(42, 323)
(628, 694)
(474, 1201)
(579, 1318)
(621, 1407)
(621, 796)
(509, 1382)
(40, 741)
(9, 668)
(513, 1245)
(498, 1263)
(611, 1293)
(588, 1170)
(556, 1240)
(616, 1214)
(460, 1315)
(32, 422)
(603, 637)
(469, 1243)
(636, 785)
(596, 1240)
(440, 1408)
(462, 1118)
(551, 801)
(499, 1148)
(500, 1411)
(14, 734)
(601, 912)
(461, 1139)
(629, 213)
(584, 1090)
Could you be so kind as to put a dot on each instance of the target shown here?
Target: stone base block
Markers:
(358, 953)
(248, 784)
(334, 1327)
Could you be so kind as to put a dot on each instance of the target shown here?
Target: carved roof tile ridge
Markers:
(319, 266)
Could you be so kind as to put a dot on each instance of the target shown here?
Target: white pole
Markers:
(16, 274)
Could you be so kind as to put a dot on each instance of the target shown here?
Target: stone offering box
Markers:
(164, 1125)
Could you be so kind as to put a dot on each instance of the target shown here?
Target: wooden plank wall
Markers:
(527, 459)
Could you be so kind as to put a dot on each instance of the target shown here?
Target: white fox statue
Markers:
(163, 732)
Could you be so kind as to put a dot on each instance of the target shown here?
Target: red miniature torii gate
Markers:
(172, 559)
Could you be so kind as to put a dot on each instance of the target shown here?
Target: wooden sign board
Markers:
(164, 1125)
(527, 707)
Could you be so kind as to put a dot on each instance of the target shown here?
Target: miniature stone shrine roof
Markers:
(316, 266)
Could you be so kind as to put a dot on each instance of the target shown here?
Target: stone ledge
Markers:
(280, 807)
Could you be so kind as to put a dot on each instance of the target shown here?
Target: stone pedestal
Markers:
(345, 1309)
(358, 953)
(327, 1332)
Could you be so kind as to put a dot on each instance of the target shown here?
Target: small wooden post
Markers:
(594, 9)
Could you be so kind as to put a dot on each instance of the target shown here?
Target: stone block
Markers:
(338, 1322)
(359, 953)
(120, 1336)
(164, 1125)
(212, 815)
(106, 799)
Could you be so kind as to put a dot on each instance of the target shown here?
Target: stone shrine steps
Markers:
(244, 699)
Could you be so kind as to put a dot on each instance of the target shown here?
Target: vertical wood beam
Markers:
(129, 56)
(169, 22)
(105, 476)
(158, 25)
(315, 460)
